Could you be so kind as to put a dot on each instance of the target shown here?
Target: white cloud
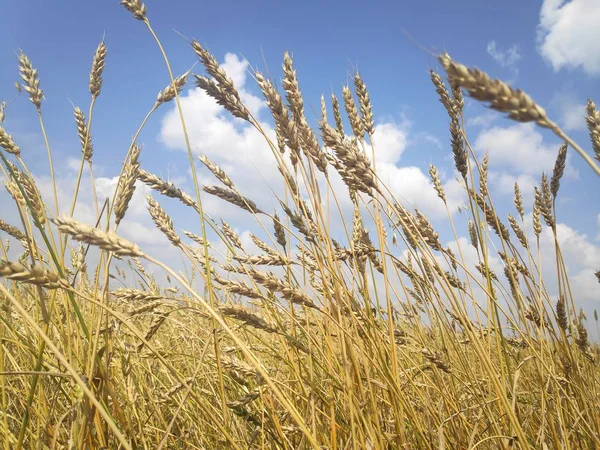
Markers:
(483, 120)
(504, 183)
(519, 148)
(508, 58)
(572, 113)
(243, 152)
(568, 34)
(412, 187)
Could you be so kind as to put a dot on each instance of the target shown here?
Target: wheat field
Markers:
(346, 331)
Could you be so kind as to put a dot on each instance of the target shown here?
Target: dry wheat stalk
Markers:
(473, 234)
(146, 307)
(518, 105)
(561, 314)
(437, 184)
(165, 188)
(234, 287)
(264, 260)
(231, 103)
(519, 201)
(310, 144)
(231, 235)
(162, 221)
(337, 115)
(170, 92)
(490, 216)
(32, 275)
(366, 110)
(108, 240)
(97, 68)
(483, 190)
(436, 359)
(425, 229)
(12, 231)
(83, 132)
(269, 281)
(263, 245)
(442, 91)
(355, 121)
(356, 168)
(546, 202)
(279, 231)
(197, 239)
(537, 224)
(7, 143)
(518, 231)
(157, 322)
(243, 401)
(30, 80)
(214, 70)
(292, 89)
(486, 271)
(452, 280)
(2, 109)
(285, 126)
(299, 223)
(311, 147)
(453, 108)
(233, 197)
(15, 193)
(217, 171)
(240, 313)
(323, 109)
(450, 254)
(31, 191)
(458, 146)
(559, 169)
(223, 90)
(516, 342)
(126, 184)
(581, 338)
(457, 96)
(593, 123)
(135, 7)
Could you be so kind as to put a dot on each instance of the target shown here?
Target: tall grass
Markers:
(339, 338)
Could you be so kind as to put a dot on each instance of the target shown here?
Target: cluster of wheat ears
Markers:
(378, 340)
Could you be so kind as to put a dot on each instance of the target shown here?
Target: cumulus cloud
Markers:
(504, 183)
(572, 113)
(519, 148)
(507, 58)
(242, 151)
(568, 34)
(483, 120)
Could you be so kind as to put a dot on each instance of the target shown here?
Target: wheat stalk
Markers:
(162, 221)
(366, 110)
(32, 275)
(83, 133)
(97, 69)
(352, 111)
(165, 188)
(217, 171)
(135, 7)
(593, 123)
(126, 184)
(233, 197)
(30, 80)
(169, 93)
(7, 143)
(106, 240)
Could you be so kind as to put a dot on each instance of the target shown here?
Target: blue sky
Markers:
(548, 49)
